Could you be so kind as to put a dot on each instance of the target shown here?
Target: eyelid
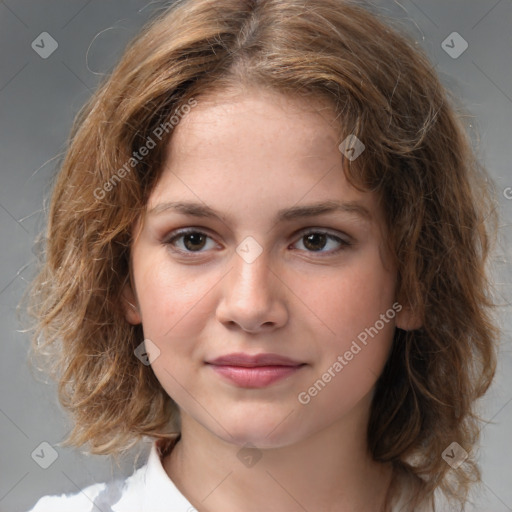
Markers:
(175, 233)
(326, 231)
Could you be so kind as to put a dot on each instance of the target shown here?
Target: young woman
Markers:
(267, 252)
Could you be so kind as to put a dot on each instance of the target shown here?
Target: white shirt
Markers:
(149, 489)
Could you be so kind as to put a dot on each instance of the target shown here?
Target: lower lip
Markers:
(255, 377)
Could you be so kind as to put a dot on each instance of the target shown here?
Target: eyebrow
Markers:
(286, 214)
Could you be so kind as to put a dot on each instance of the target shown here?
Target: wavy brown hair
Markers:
(437, 198)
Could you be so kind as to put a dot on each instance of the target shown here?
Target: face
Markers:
(254, 243)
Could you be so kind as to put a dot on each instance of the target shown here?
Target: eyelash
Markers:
(169, 241)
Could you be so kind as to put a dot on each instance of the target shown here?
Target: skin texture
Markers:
(248, 153)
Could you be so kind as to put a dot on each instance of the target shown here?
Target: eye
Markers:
(190, 241)
(317, 241)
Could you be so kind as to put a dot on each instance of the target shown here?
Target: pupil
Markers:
(315, 237)
(196, 239)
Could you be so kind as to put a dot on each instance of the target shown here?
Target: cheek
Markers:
(173, 299)
(175, 306)
(352, 359)
(352, 299)
(356, 307)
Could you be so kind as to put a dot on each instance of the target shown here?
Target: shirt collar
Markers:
(161, 494)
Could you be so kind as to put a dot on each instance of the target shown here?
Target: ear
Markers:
(408, 320)
(130, 305)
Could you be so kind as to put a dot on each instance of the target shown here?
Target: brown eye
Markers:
(315, 241)
(319, 241)
(194, 241)
(190, 241)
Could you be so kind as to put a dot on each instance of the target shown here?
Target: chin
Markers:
(263, 434)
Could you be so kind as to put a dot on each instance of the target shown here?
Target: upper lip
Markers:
(247, 360)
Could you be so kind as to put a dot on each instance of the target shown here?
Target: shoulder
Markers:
(147, 489)
(406, 490)
(80, 502)
(105, 496)
(409, 486)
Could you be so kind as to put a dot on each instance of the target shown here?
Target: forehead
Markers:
(243, 121)
(254, 147)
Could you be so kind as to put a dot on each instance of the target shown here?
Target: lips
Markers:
(254, 371)
(250, 361)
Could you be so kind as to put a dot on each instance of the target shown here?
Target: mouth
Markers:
(254, 371)
(253, 360)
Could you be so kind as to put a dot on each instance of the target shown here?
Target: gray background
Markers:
(38, 101)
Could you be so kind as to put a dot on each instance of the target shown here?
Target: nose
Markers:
(253, 297)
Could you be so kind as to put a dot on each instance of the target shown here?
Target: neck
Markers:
(330, 471)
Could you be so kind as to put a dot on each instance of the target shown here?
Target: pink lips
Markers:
(254, 371)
